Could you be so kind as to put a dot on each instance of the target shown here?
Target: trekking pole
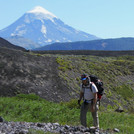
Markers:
(99, 102)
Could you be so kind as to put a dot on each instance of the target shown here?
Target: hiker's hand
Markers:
(79, 102)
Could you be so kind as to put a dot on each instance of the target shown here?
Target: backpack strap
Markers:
(91, 86)
(92, 91)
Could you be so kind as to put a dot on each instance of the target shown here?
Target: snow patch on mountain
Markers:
(19, 27)
(57, 41)
(86, 36)
(49, 40)
(44, 30)
(27, 19)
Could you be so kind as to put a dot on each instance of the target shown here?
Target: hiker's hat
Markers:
(83, 77)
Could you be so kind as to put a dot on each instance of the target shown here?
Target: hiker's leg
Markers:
(96, 117)
(83, 114)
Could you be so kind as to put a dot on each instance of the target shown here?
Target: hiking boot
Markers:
(92, 129)
(97, 130)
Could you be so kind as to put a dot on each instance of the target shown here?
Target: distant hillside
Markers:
(102, 53)
(21, 41)
(103, 44)
(4, 43)
(57, 77)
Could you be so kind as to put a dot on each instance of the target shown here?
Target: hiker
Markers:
(89, 95)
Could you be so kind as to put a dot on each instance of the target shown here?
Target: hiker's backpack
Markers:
(99, 85)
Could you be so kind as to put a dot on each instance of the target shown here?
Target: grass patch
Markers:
(31, 108)
(64, 64)
(125, 91)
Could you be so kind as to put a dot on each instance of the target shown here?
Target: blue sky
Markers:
(103, 18)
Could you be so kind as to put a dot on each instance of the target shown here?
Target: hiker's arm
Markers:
(94, 102)
(81, 96)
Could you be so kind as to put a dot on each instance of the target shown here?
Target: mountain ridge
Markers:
(114, 44)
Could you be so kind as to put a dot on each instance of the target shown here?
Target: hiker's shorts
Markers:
(83, 114)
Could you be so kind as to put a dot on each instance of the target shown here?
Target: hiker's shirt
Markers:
(88, 92)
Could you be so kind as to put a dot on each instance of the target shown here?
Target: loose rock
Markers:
(26, 127)
(116, 130)
(1, 119)
(119, 109)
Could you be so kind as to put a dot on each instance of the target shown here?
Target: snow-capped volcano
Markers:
(43, 28)
(38, 10)
(42, 13)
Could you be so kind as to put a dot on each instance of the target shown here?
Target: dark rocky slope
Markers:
(21, 72)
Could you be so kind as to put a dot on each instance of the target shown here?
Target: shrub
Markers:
(64, 64)
(72, 104)
(31, 96)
